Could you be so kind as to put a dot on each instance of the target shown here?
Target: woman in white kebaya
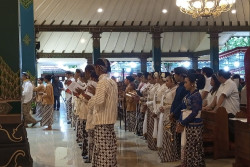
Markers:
(161, 79)
(150, 119)
(164, 137)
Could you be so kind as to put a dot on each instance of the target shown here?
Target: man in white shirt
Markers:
(228, 97)
(104, 106)
(68, 94)
(27, 95)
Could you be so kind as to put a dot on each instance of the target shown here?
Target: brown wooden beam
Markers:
(117, 55)
(148, 28)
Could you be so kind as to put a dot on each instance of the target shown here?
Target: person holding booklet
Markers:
(68, 94)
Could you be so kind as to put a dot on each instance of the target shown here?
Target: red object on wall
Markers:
(247, 72)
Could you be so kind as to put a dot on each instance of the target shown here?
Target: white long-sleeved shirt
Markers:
(27, 91)
(104, 102)
(84, 102)
(68, 95)
(158, 96)
(151, 93)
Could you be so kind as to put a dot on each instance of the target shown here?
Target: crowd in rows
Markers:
(166, 109)
(163, 107)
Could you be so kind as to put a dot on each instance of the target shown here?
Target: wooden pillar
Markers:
(194, 60)
(156, 50)
(214, 51)
(14, 145)
(96, 54)
(143, 64)
(247, 74)
(89, 59)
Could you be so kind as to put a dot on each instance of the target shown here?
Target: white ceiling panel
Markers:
(130, 42)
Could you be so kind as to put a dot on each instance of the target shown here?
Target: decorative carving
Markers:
(5, 108)
(15, 156)
(26, 3)
(12, 136)
(26, 40)
(9, 83)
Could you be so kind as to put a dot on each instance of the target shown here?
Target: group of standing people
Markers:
(163, 107)
(166, 108)
(44, 101)
(92, 111)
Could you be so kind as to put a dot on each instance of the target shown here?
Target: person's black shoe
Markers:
(57, 109)
(34, 124)
(87, 161)
(68, 122)
(85, 157)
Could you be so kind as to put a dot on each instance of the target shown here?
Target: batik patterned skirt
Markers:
(39, 108)
(69, 108)
(73, 119)
(150, 129)
(79, 130)
(193, 150)
(168, 152)
(84, 139)
(91, 134)
(105, 148)
(131, 120)
(47, 115)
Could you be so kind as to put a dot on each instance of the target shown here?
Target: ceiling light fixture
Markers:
(233, 11)
(164, 10)
(82, 40)
(99, 10)
(205, 8)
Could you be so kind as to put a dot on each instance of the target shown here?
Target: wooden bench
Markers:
(215, 136)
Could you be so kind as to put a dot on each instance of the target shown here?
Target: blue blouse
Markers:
(176, 107)
(192, 101)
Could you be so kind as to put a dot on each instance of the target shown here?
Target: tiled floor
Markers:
(58, 148)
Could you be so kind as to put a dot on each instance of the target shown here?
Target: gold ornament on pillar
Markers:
(9, 83)
(26, 3)
(26, 40)
(204, 8)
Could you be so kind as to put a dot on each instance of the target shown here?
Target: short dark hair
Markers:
(216, 84)
(82, 74)
(198, 70)
(68, 72)
(48, 77)
(199, 79)
(224, 74)
(130, 78)
(180, 71)
(191, 71)
(78, 70)
(145, 74)
(102, 63)
(208, 71)
(41, 78)
(90, 68)
(139, 74)
(236, 76)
